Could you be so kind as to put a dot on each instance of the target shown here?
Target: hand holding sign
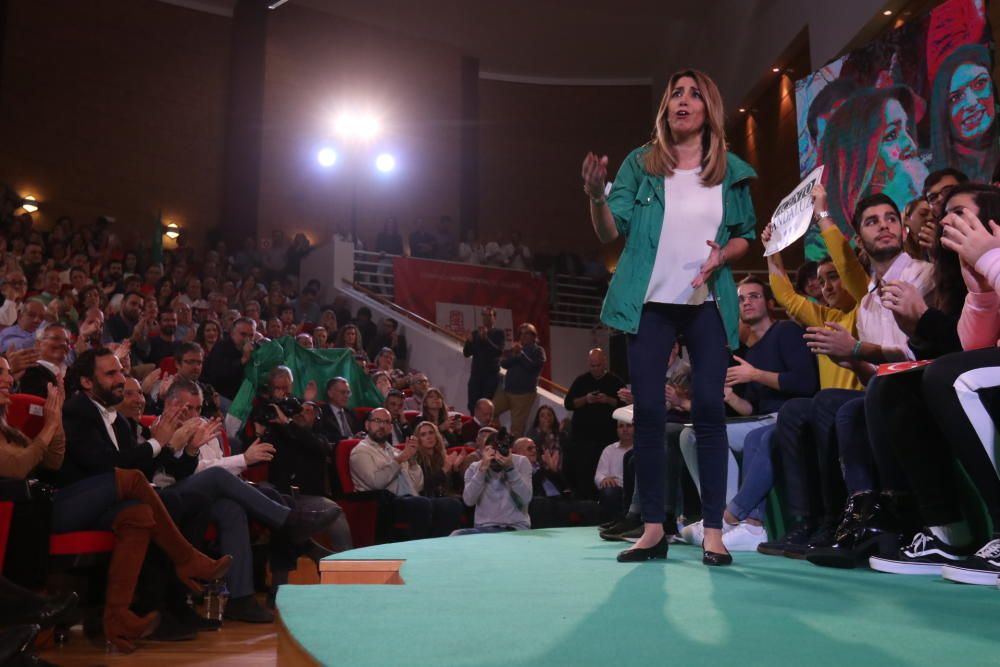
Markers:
(794, 215)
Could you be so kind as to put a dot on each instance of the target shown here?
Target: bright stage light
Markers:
(357, 127)
(327, 157)
(385, 163)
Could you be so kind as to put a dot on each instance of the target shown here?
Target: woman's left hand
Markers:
(716, 258)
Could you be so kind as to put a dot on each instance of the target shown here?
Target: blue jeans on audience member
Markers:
(648, 353)
(855, 452)
(736, 434)
(216, 483)
(750, 501)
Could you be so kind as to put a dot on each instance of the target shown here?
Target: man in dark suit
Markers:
(52, 344)
(225, 363)
(485, 345)
(401, 429)
(337, 422)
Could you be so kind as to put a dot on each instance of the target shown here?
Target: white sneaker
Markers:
(744, 537)
(694, 533)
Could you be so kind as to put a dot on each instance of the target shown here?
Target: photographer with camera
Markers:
(499, 486)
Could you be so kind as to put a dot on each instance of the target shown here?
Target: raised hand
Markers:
(965, 234)
(311, 391)
(52, 411)
(595, 174)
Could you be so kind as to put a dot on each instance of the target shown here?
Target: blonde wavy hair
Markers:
(436, 458)
(661, 159)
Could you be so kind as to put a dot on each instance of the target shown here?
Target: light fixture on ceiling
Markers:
(172, 231)
(29, 204)
(887, 12)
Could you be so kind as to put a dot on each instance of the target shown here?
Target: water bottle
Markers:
(216, 596)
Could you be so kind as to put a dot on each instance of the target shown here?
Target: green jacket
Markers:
(636, 202)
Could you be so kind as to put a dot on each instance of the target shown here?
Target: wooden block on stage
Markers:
(360, 571)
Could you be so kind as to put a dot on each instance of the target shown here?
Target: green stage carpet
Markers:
(558, 597)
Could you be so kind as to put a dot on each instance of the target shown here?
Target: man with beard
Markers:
(153, 349)
(121, 325)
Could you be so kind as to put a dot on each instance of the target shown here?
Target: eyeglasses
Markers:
(935, 197)
(384, 422)
(753, 296)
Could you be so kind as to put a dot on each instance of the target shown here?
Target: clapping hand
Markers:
(744, 373)
(716, 258)
(905, 302)
(832, 340)
(52, 411)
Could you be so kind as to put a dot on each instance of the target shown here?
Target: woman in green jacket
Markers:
(682, 202)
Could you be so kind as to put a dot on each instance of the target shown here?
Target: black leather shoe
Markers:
(796, 537)
(869, 526)
(716, 559)
(247, 610)
(615, 532)
(637, 554)
(302, 524)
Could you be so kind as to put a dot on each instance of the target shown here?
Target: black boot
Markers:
(794, 540)
(868, 526)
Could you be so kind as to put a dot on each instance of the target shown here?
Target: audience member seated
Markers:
(440, 467)
(53, 347)
(482, 415)
(378, 466)
(225, 363)
(401, 428)
(436, 412)
(349, 336)
(336, 421)
(21, 335)
(419, 383)
(499, 487)
(389, 336)
(610, 474)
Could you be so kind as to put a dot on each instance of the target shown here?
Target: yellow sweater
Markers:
(809, 314)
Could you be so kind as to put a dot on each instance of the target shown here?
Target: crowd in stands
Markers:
(134, 357)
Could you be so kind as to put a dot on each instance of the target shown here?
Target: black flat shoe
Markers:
(638, 554)
(715, 559)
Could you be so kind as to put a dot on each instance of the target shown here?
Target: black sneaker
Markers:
(926, 554)
(247, 610)
(981, 569)
(614, 533)
(795, 538)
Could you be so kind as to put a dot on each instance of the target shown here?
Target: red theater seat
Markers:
(362, 508)
(168, 365)
(361, 414)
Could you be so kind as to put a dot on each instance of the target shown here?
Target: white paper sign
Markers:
(794, 214)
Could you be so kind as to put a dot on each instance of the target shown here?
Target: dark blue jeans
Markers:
(758, 476)
(90, 504)
(648, 353)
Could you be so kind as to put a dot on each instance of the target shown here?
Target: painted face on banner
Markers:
(898, 154)
(970, 102)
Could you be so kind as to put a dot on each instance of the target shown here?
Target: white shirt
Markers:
(692, 214)
(611, 464)
(108, 416)
(876, 323)
(8, 313)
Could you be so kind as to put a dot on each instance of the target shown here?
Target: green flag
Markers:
(315, 365)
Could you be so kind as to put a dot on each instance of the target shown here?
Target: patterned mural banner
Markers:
(884, 116)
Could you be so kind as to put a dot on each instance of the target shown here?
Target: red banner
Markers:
(452, 295)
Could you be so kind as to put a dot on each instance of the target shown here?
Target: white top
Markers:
(612, 463)
(876, 323)
(692, 214)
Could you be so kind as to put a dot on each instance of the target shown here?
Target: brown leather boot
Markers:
(132, 527)
(190, 564)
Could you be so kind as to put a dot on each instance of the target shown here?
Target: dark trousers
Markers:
(908, 447)
(482, 385)
(582, 457)
(805, 440)
(610, 502)
(962, 391)
(426, 517)
(648, 352)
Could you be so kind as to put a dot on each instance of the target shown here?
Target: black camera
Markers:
(500, 442)
(268, 412)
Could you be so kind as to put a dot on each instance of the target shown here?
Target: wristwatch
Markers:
(823, 214)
